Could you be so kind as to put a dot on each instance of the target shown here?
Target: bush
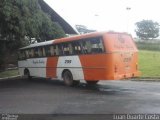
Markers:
(148, 45)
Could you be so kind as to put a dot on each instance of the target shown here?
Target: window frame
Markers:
(59, 49)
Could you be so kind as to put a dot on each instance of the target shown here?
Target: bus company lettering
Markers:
(120, 45)
(121, 39)
(38, 62)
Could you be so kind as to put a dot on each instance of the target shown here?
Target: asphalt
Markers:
(42, 96)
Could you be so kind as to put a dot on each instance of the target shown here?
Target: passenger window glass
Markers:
(27, 53)
(36, 52)
(93, 45)
(40, 52)
(77, 48)
(66, 49)
(56, 50)
(70, 48)
(31, 53)
(60, 49)
(48, 51)
(44, 52)
(52, 50)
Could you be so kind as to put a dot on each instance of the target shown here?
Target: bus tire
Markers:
(92, 82)
(68, 78)
(27, 74)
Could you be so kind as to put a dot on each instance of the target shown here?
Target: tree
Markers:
(147, 29)
(21, 19)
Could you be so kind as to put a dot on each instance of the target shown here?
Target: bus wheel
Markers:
(68, 78)
(27, 74)
(92, 82)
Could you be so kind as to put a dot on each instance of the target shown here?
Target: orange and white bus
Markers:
(90, 57)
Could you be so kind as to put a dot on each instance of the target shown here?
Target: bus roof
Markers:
(72, 38)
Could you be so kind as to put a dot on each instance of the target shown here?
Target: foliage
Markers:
(148, 45)
(147, 29)
(22, 20)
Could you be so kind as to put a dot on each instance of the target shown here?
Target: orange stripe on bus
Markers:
(51, 66)
(102, 64)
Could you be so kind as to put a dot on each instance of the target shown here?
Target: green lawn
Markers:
(8, 73)
(149, 63)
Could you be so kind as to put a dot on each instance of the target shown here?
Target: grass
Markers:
(8, 73)
(149, 63)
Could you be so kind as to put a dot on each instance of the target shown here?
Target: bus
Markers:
(90, 57)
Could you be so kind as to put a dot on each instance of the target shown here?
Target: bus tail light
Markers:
(115, 68)
(136, 66)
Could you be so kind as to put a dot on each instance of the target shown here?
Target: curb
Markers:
(147, 79)
(10, 78)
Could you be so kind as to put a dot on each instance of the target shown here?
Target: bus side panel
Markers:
(71, 63)
(51, 68)
(97, 67)
(36, 66)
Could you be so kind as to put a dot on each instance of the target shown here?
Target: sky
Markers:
(107, 15)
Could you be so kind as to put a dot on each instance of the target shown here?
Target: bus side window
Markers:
(36, 52)
(32, 53)
(40, 52)
(92, 45)
(101, 44)
(23, 55)
(70, 48)
(66, 49)
(77, 48)
(60, 49)
(86, 45)
(52, 50)
(44, 52)
(27, 53)
(56, 50)
(48, 51)
(96, 45)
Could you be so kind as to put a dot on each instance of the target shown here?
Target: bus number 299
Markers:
(68, 61)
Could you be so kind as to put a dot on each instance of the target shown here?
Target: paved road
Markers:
(42, 96)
